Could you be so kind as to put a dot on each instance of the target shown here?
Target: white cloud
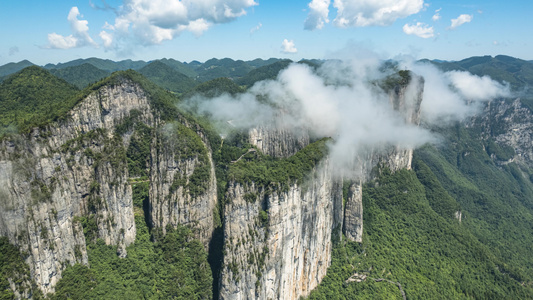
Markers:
(436, 16)
(107, 38)
(154, 21)
(464, 18)
(80, 33)
(360, 13)
(288, 46)
(256, 28)
(476, 88)
(454, 95)
(318, 14)
(58, 41)
(356, 114)
(420, 29)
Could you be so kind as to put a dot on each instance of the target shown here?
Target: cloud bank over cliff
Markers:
(343, 99)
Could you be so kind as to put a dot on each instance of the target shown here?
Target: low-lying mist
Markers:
(344, 99)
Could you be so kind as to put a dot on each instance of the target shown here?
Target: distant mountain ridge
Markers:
(515, 71)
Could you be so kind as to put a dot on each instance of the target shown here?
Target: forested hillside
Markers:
(207, 207)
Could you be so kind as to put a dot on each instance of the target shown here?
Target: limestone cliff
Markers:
(406, 99)
(69, 183)
(278, 243)
(278, 138)
(509, 123)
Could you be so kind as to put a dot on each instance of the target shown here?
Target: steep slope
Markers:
(167, 77)
(285, 211)
(410, 251)
(277, 243)
(33, 97)
(80, 76)
(69, 183)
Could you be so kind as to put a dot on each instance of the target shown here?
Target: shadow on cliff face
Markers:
(216, 258)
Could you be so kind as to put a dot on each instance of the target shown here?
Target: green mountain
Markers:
(516, 72)
(11, 68)
(80, 76)
(33, 97)
(215, 88)
(227, 67)
(102, 64)
(180, 67)
(457, 225)
(412, 251)
(168, 77)
(269, 71)
(258, 62)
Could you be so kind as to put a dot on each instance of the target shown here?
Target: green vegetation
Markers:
(180, 67)
(497, 201)
(11, 68)
(174, 266)
(138, 152)
(102, 64)
(215, 88)
(269, 71)
(80, 76)
(12, 266)
(168, 77)
(264, 170)
(406, 241)
(31, 98)
(227, 67)
(187, 145)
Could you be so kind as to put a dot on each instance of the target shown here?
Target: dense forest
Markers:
(456, 226)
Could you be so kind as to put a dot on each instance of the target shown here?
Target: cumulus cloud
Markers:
(419, 29)
(360, 13)
(318, 14)
(462, 19)
(154, 21)
(107, 38)
(288, 46)
(80, 33)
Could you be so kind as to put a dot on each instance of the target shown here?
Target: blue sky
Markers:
(60, 31)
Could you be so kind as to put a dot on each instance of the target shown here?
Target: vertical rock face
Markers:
(278, 243)
(75, 172)
(51, 181)
(509, 123)
(282, 254)
(405, 99)
(353, 213)
(277, 140)
(178, 194)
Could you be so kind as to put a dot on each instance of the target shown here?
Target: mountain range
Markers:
(114, 183)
